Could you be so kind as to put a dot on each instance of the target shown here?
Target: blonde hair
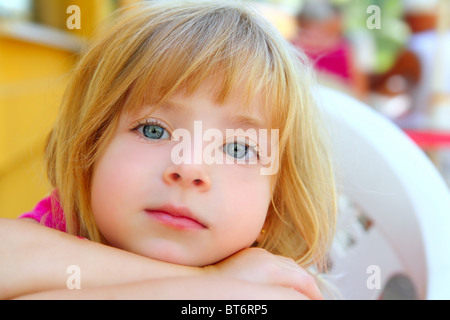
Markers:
(159, 47)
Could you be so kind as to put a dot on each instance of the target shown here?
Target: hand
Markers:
(260, 266)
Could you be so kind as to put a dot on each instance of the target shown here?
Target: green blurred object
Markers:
(391, 36)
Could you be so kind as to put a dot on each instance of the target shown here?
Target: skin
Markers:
(136, 174)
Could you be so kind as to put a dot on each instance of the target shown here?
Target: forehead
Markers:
(243, 109)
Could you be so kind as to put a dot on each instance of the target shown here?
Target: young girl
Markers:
(230, 219)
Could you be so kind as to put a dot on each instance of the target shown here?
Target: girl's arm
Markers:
(178, 288)
(36, 258)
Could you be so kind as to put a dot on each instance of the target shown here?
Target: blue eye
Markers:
(239, 150)
(152, 131)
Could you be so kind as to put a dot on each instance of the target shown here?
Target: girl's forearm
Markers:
(179, 288)
(37, 259)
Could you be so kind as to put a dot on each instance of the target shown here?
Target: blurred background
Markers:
(391, 54)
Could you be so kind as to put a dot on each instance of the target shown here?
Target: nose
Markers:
(187, 176)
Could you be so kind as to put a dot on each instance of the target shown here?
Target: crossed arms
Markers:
(34, 260)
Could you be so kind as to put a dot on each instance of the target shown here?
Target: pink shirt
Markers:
(49, 213)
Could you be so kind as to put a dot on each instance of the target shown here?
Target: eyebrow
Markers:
(169, 107)
(237, 121)
(175, 107)
(245, 122)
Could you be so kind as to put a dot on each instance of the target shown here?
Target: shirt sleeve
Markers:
(47, 214)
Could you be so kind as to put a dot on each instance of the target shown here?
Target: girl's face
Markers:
(194, 211)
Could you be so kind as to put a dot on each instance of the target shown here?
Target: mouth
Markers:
(180, 218)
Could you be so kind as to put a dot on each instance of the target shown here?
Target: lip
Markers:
(180, 218)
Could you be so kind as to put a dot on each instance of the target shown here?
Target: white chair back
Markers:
(393, 235)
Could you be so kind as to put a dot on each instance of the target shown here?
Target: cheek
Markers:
(122, 176)
(111, 174)
(247, 196)
(111, 177)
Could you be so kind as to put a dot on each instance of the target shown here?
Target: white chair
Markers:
(394, 222)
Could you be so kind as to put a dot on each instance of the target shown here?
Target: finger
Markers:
(307, 284)
(300, 279)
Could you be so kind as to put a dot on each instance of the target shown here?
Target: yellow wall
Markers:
(32, 79)
(54, 13)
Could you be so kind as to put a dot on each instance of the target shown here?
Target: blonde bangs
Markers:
(165, 56)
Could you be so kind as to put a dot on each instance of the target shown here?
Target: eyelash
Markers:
(149, 122)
